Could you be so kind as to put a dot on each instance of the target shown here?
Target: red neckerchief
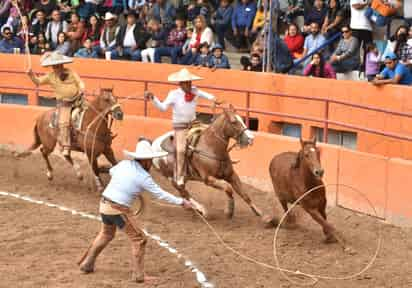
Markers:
(189, 97)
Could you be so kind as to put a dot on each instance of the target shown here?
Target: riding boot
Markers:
(138, 242)
(64, 127)
(104, 237)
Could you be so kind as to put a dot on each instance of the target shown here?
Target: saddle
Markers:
(76, 119)
(192, 139)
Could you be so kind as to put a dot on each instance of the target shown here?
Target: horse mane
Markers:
(299, 155)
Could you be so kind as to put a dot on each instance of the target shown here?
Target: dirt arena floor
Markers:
(40, 246)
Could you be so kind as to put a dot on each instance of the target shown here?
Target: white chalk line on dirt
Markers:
(200, 276)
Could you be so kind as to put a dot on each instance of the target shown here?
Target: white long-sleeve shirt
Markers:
(129, 179)
(183, 112)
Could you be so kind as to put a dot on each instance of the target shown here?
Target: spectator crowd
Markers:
(313, 38)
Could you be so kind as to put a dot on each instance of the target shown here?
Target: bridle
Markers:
(232, 126)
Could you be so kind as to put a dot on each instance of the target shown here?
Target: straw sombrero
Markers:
(183, 76)
(54, 58)
(144, 151)
(109, 16)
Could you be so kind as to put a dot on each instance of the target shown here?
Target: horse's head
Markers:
(236, 128)
(107, 102)
(309, 157)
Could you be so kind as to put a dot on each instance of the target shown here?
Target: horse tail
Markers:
(36, 143)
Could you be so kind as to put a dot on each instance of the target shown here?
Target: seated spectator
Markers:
(242, 20)
(88, 8)
(258, 22)
(174, 44)
(294, 40)
(65, 7)
(202, 57)
(54, 27)
(10, 43)
(113, 6)
(93, 31)
(372, 61)
(41, 45)
(196, 8)
(47, 6)
(347, 55)
(254, 63)
(109, 34)
(397, 41)
(334, 19)
(295, 9)
(164, 12)
(136, 5)
(75, 32)
(201, 34)
(393, 73)
(87, 51)
(5, 7)
(222, 20)
(316, 15)
(157, 39)
(39, 24)
(319, 68)
(218, 60)
(313, 41)
(131, 40)
(63, 44)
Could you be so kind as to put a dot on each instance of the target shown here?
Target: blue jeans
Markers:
(221, 31)
(134, 55)
(173, 52)
(188, 58)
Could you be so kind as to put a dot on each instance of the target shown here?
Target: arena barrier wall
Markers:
(385, 181)
(395, 98)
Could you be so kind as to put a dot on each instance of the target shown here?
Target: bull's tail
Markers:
(36, 143)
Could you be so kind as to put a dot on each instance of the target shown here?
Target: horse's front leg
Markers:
(228, 189)
(234, 180)
(76, 167)
(109, 154)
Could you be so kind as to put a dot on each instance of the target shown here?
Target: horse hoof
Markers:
(230, 209)
(49, 176)
(350, 251)
(269, 222)
(331, 239)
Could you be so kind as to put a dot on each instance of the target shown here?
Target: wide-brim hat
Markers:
(109, 16)
(54, 58)
(144, 151)
(183, 76)
(217, 46)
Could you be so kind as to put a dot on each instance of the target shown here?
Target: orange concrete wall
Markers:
(385, 181)
(396, 98)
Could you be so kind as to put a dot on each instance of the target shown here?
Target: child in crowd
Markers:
(372, 64)
(202, 57)
(186, 46)
(218, 59)
(254, 63)
(158, 39)
(87, 51)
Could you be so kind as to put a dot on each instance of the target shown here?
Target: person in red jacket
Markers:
(294, 40)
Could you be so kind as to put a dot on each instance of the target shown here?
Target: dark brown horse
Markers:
(93, 138)
(293, 174)
(209, 161)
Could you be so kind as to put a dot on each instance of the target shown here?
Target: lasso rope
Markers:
(25, 26)
(314, 277)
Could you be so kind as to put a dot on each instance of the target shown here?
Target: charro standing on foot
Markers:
(68, 91)
(129, 179)
(184, 102)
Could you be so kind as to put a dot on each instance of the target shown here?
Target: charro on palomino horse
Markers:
(88, 126)
(294, 174)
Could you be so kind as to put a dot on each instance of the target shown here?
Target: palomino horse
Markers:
(93, 138)
(293, 174)
(209, 161)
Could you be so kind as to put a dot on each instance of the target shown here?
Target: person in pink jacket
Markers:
(319, 68)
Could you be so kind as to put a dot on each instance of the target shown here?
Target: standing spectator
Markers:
(5, 6)
(40, 23)
(63, 44)
(372, 61)
(157, 39)
(75, 32)
(252, 64)
(164, 12)
(295, 9)
(54, 27)
(174, 44)
(317, 14)
(407, 12)
(201, 58)
(334, 19)
(136, 5)
(93, 31)
(359, 23)
(41, 45)
(242, 20)
(201, 34)
(394, 72)
(346, 57)
(47, 6)
(281, 59)
(222, 21)
(109, 34)
(87, 51)
(314, 40)
(198, 7)
(319, 68)
(294, 40)
(131, 40)
(88, 8)
(218, 60)
(113, 6)
(10, 42)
